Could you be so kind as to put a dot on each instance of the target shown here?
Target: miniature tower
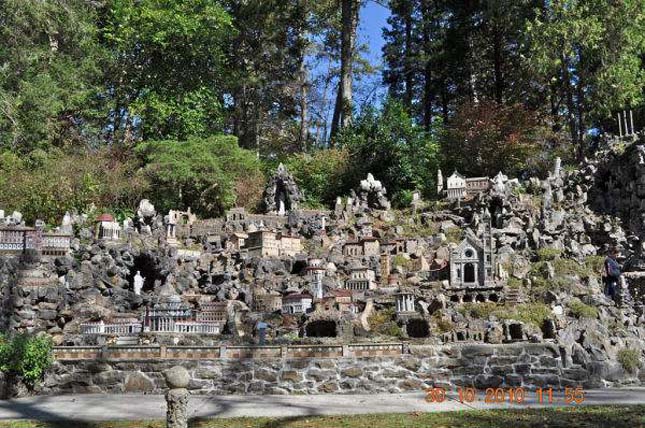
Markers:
(316, 273)
(385, 269)
(487, 241)
(439, 182)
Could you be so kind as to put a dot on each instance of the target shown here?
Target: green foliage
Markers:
(398, 152)
(168, 67)
(546, 254)
(592, 49)
(319, 174)
(454, 235)
(199, 173)
(580, 310)
(630, 359)
(26, 355)
(44, 185)
(595, 265)
(50, 61)
(478, 310)
(532, 313)
(382, 322)
(513, 282)
(563, 267)
(401, 260)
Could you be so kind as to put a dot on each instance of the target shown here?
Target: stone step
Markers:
(127, 340)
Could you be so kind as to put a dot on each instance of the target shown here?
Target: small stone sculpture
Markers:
(372, 194)
(177, 379)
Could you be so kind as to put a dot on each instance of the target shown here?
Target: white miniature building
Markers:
(459, 187)
(471, 262)
(296, 303)
(361, 278)
(404, 302)
(316, 272)
(107, 228)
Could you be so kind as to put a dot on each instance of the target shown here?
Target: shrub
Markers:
(389, 144)
(44, 185)
(630, 359)
(200, 173)
(320, 174)
(478, 310)
(580, 310)
(595, 264)
(27, 356)
(546, 254)
(382, 322)
(530, 313)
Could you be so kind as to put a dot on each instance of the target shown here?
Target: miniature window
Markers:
(468, 253)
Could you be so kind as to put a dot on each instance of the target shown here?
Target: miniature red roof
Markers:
(297, 296)
(105, 217)
(340, 293)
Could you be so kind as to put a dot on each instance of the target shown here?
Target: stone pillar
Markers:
(177, 379)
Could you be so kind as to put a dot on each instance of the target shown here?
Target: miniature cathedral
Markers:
(471, 262)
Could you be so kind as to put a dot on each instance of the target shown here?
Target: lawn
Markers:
(571, 417)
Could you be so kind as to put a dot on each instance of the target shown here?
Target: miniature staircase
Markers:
(513, 295)
(127, 341)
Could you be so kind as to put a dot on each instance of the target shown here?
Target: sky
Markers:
(373, 17)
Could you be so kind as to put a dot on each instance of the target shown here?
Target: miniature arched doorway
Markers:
(282, 202)
(321, 328)
(469, 273)
(417, 328)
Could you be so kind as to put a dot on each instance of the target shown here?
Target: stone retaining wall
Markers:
(482, 366)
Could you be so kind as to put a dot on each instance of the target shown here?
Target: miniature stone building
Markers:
(266, 301)
(107, 228)
(460, 187)
(296, 303)
(120, 325)
(367, 246)
(264, 243)
(405, 302)
(281, 194)
(361, 278)
(471, 262)
(166, 313)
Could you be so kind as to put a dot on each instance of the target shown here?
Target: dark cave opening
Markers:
(418, 328)
(146, 264)
(321, 328)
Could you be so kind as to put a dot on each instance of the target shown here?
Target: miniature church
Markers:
(471, 262)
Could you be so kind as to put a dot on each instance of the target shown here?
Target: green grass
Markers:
(580, 310)
(630, 359)
(532, 313)
(578, 417)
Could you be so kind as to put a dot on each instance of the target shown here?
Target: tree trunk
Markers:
(304, 120)
(343, 109)
(407, 60)
(428, 94)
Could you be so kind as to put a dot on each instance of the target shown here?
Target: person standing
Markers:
(612, 273)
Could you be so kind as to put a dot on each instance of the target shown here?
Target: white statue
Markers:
(66, 225)
(138, 283)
